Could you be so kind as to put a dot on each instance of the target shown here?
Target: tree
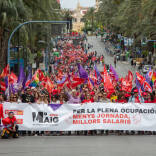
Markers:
(129, 17)
(14, 12)
(89, 19)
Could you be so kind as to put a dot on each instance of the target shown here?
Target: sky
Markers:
(71, 4)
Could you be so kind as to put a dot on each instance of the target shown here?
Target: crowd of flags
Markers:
(147, 83)
(10, 82)
(92, 79)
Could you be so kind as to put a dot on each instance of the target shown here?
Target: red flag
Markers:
(1, 111)
(147, 87)
(40, 75)
(5, 72)
(130, 76)
(107, 82)
(75, 84)
(140, 78)
(2, 86)
(12, 78)
(48, 84)
(126, 85)
(78, 79)
(69, 85)
(27, 83)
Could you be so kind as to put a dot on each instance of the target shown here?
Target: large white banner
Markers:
(90, 116)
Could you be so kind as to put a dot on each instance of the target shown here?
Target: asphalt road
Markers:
(79, 146)
(122, 67)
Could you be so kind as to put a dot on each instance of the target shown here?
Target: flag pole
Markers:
(8, 81)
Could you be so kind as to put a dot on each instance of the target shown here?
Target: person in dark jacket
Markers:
(27, 97)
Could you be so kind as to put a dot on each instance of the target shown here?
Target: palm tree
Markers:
(11, 11)
(89, 18)
(14, 12)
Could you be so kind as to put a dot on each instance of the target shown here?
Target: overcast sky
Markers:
(71, 4)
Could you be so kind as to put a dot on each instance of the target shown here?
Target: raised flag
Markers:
(35, 80)
(48, 84)
(40, 75)
(154, 85)
(35, 77)
(75, 84)
(82, 72)
(21, 77)
(107, 82)
(126, 85)
(78, 79)
(5, 72)
(140, 78)
(3, 86)
(154, 78)
(147, 87)
(1, 111)
(12, 78)
(148, 76)
(130, 76)
(113, 74)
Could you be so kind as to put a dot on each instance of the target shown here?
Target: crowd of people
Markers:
(75, 79)
(78, 95)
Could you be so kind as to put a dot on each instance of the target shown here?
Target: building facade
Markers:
(77, 15)
(97, 4)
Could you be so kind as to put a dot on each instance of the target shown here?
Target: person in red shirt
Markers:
(10, 127)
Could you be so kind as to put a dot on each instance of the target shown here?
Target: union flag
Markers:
(147, 87)
(2, 86)
(5, 72)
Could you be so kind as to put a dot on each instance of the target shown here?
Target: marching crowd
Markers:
(79, 95)
(76, 79)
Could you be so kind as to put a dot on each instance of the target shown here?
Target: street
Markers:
(77, 78)
(122, 67)
(79, 146)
